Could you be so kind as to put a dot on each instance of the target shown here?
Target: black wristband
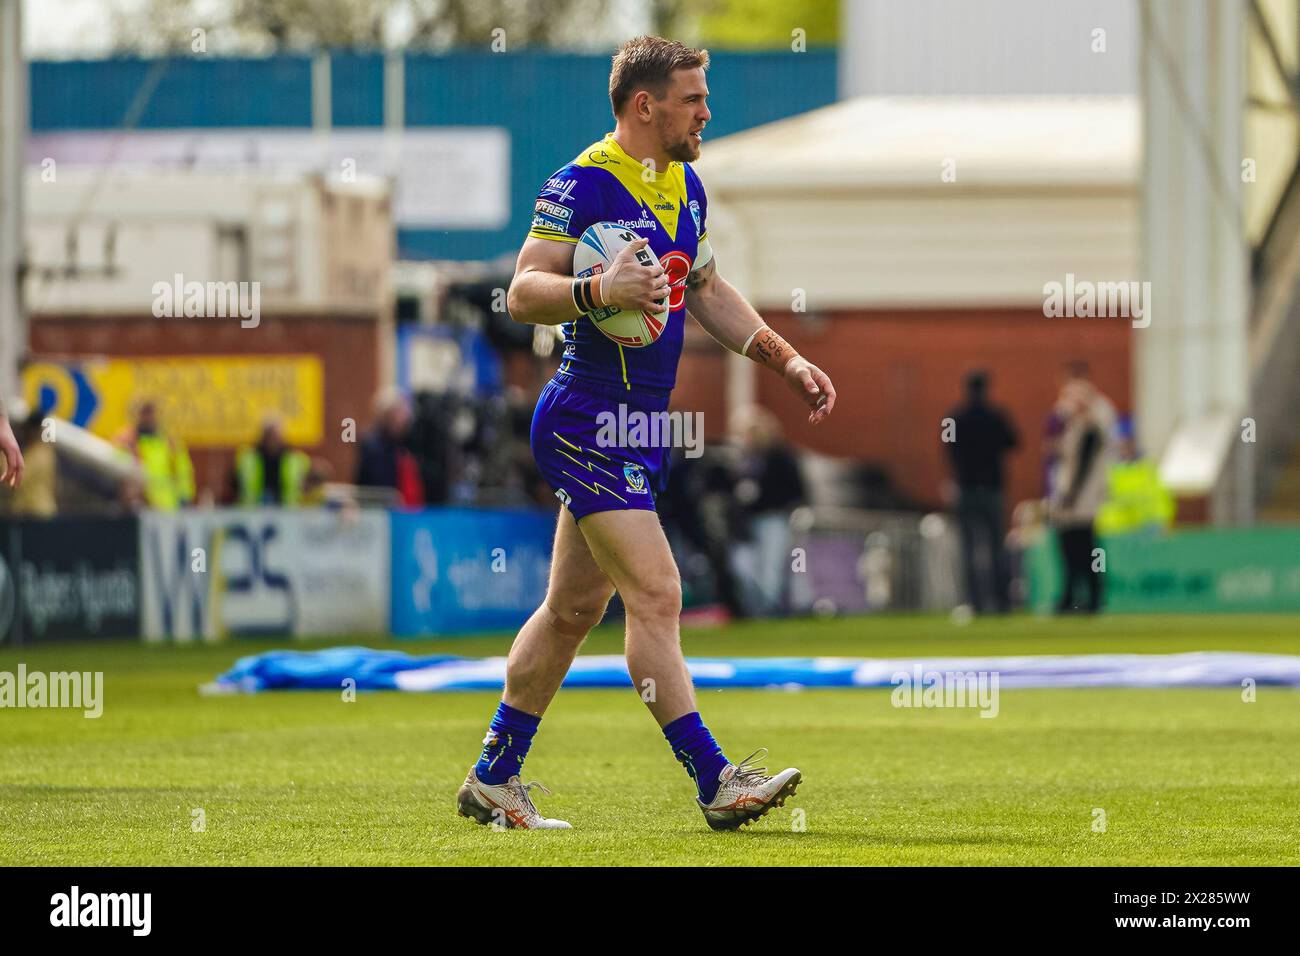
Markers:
(583, 297)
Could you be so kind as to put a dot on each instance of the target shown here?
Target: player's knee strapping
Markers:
(577, 626)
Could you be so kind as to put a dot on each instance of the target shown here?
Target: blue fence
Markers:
(553, 104)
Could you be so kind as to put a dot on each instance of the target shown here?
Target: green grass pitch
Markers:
(1184, 776)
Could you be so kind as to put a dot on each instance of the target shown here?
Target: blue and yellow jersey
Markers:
(605, 184)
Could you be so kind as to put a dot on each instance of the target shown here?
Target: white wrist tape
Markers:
(750, 341)
(703, 255)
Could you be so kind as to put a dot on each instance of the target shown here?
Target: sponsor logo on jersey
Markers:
(544, 223)
(678, 267)
(559, 188)
(695, 214)
(635, 479)
(643, 223)
(665, 206)
(554, 210)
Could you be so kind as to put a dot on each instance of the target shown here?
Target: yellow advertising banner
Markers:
(205, 400)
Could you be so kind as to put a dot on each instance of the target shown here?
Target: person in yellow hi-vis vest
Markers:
(1136, 499)
(164, 459)
(270, 473)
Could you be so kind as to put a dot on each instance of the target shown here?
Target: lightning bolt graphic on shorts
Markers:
(590, 466)
(595, 487)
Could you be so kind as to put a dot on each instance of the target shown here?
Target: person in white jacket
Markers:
(1086, 448)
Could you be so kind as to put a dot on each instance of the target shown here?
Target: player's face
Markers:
(680, 116)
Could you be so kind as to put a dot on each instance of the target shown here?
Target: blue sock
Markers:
(508, 738)
(698, 752)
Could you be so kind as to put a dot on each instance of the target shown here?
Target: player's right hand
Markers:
(11, 456)
(627, 284)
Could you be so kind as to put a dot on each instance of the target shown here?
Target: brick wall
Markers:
(898, 373)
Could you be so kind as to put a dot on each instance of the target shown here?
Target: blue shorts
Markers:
(581, 450)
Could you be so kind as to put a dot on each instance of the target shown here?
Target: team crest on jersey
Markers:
(695, 214)
(635, 479)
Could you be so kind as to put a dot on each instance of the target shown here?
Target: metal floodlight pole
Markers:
(13, 137)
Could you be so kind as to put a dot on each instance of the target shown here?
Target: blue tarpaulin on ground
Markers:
(396, 670)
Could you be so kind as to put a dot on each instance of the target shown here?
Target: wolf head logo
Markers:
(635, 478)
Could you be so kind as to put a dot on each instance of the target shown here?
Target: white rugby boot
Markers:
(747, 793)
(507, 805)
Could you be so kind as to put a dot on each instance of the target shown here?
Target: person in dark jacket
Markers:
(769, 486)
(384, 460)
(982, 436)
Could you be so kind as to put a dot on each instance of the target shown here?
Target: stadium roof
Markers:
(908, 202)
(1003, 141)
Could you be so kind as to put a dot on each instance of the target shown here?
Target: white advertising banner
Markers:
(446, 177)
(207, 575)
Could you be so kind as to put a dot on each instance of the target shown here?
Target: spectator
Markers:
(270, 473)
(1079, 488)
(983, 436)
(385, 461)
(702, 520)
(164, 459)
(1076, 370)
(768, 487)
(1136, 498)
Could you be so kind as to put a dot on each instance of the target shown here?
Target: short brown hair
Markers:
(647, 63)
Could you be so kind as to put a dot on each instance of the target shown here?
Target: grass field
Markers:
(1184, 776)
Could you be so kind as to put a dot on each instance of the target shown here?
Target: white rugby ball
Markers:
(596, 250)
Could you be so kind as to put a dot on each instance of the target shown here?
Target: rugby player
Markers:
(609, 537)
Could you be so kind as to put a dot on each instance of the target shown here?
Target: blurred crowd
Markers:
(727, 517)
(1095, 482)
(727, 513)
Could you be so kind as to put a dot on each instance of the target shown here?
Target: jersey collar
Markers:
(662, 195)
(643, 172)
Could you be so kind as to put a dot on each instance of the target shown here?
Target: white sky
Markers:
(64, 28)
(54, 29)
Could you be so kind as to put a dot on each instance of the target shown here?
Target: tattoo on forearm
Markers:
(700, 276)
(770, 349)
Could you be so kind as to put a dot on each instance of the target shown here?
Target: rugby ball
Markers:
(595, 251)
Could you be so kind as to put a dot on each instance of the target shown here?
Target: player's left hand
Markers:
(812, 385)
